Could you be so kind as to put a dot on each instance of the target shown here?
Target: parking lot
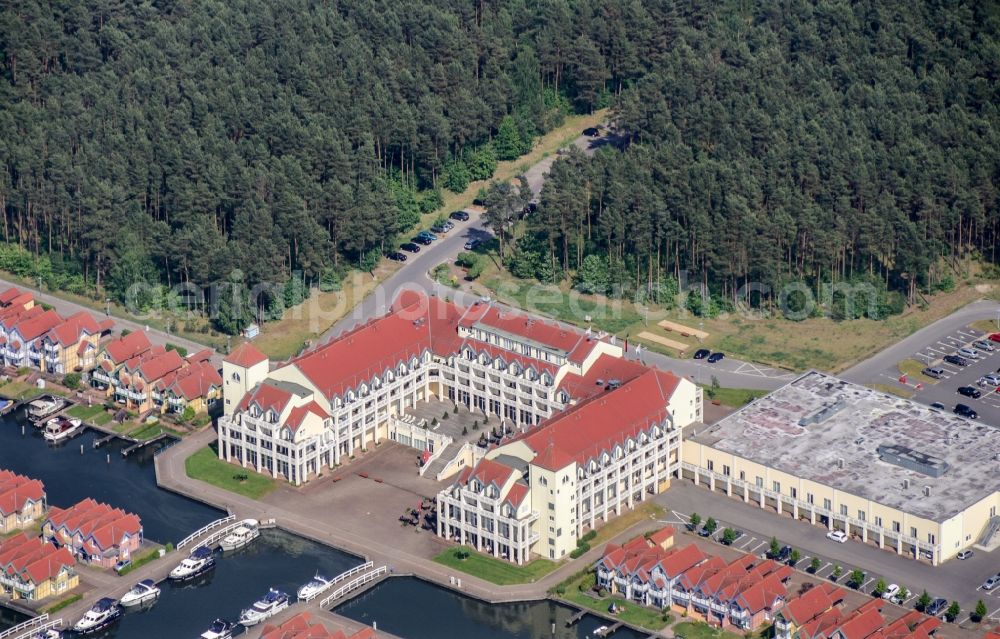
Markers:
(955, 580)
(945, 390)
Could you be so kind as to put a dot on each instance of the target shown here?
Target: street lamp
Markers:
(107, 306)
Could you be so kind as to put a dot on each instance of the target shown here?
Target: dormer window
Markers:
(515, 369)
(286, 434)
(547, 379)
(236, 377)
(563, 397)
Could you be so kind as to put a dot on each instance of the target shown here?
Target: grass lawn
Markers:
(985, 325)
(205, 465)
(701, 630)
(631, 612)
(23, 391)
(496, 571)
(59, 605)
(149, 431)
(734, 397)
(643, 512)
(912, 369)
(92, 414)
(898, 391)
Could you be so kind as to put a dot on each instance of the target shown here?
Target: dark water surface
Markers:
(414, 609)
(126, 483)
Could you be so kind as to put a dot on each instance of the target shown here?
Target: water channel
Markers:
(406, 607)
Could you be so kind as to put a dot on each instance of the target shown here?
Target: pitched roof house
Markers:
(94, 531)
(22, 500)
(31, 568)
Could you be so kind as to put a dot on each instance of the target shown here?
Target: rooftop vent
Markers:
(906, 483)
(823, 413)
(927, 491)
(912, 460)
(840, 462)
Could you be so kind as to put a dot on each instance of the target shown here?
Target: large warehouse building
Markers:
(887, 470)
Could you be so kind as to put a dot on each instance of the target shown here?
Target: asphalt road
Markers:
(954, 580)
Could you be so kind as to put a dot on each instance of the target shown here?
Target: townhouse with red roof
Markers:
(798, 611)
(22, 501)
(33, 569)
(197, 385)
(302, 626)
(116, 352)
(94, 532)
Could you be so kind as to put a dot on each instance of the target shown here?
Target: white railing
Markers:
(354, 584)
(52, 624)
(339, 578)
(30, 625)
(204, 529)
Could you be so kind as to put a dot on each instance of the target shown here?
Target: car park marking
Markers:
(744, 545)
(804, 558)
(910, 598)
(828, 564)
(758, 547)
(865, 585)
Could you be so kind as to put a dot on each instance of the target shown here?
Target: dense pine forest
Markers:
(812, 142)
(170, 141)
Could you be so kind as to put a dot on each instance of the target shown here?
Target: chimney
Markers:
(927, 491)
(840, 462)
(906, 484)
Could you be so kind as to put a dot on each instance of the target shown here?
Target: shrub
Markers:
(188, 413)
(815, 564)
(603, 592)
(980, 612)
(580, 550)
(445, 415)
(588, 536)
(695, 520)
(953, 611)
(588, 582)
(174, 347)
(71, 381)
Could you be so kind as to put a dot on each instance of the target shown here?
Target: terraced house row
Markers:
(31, 568)
(94, 532)
(31, 336)
(22, 501)
(588, 433)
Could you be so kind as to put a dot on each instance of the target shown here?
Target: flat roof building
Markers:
(884, 468)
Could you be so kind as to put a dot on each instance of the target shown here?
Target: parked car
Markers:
(461, 216)
(703, 532)
(591, 131)
(715, 357)
(983, 345)
(993, 379)
(970, 391)
(472, 244)
(936, 373)
(890, 592)
(956, 360)
(994, 337)
(968, 353)
(122, 565)
(702, 353)
(420, 239)
(479, 202)
(966, 412)
(396, 256)
(991, 582)
(443, 227)
(410, 247)
(937, 405)
(784, 554)
(965, 554)
(936, 607)
(428, 235)
(837, 535)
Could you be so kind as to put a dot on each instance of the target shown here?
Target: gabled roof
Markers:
(595, 426)
(266, 396)
(812, 603)
(99, 523)
(17, 490)
(245, 355)
(193, 381)
(549, 334)
(301, 626)
(490, 471)
(8, 295)
(32, 558)
(34, 327)
(70, 331)
(862, 625)
(298, 414)
(681, 560)
(662, 535)
(129, 346)
(153, 368)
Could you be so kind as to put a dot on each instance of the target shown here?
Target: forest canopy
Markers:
(168, 141)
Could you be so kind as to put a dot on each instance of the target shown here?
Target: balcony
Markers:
(101, 376)
(34, 355)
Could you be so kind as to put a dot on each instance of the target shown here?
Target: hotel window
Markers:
(827, 505)
(809, 498)
(843, 510)
(895, 527)
(878, 521)
(711, 465)
(861, 515)
(930, 538)
(913, 531)
(743, 475)
(760, 482)
(725, 470)
(776, 486)
(794, 492)
(552, 506)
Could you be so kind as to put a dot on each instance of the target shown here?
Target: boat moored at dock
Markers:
(246, 532)
(198, 563)
(101, 615)
(313, 588)
(220, 629)
(60, 428)
(264, 608)
(45, 406)
(143, 592)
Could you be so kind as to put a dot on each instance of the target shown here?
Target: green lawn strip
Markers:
(142, 560)
(91, 414)
(628, 611)
(898, 391)
(497, 571)
(643, 512)
(914, 371)
(986, 325)
(24, 391)
(205, 466)
(734, 397)
(701, 630)
(611, 316)
(59, 605)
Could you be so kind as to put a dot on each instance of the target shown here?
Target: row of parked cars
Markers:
(965, 356)
(426, 237)
(709, 356)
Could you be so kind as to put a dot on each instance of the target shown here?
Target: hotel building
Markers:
(888, 471)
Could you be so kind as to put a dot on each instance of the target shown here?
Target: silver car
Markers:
(991, 583)
(968, 353)
(983, 345)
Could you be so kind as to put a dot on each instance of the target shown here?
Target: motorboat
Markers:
(200, 561)
(59, 429)
(51, 633)
(7, 405)
(144, 591)
(247, 531)
(313, 588)
(44, 406)
(101, 615)
(220, 629)
(267, 606)
(601, 631)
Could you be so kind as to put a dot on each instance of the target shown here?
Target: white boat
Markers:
(600, 631)
(103, 613)
(42, 407)
(51, 633)
(220, 629)
(59, 429)
(311, 590)
(247, 531)
(145, 590)
(198, 563)
(267, 606)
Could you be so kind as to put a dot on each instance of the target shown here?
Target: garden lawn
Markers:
(205, 466)
(631, 613)
(91, 414)
(700, 630)
(643, 512)
(24, 391)
(495, 571)
(734, 397)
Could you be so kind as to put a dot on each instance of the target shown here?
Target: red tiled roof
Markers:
(32, 558)
(515, 322)
(154, 367)
(301, 626)
(541, 366)
(490, 471)
(194, 381)
(681, 560)
(662, 535)
(812, 603)
(97, 522)
(298, 414)
(37, 326)
(127, 347)
(245, 355)
(8, 295)
(518, 491)
(863, 625)
(592, 427)
(17, 490)
(9, 317)
(605, 368)
(266, 397)
(912, 625)
(70, 331)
